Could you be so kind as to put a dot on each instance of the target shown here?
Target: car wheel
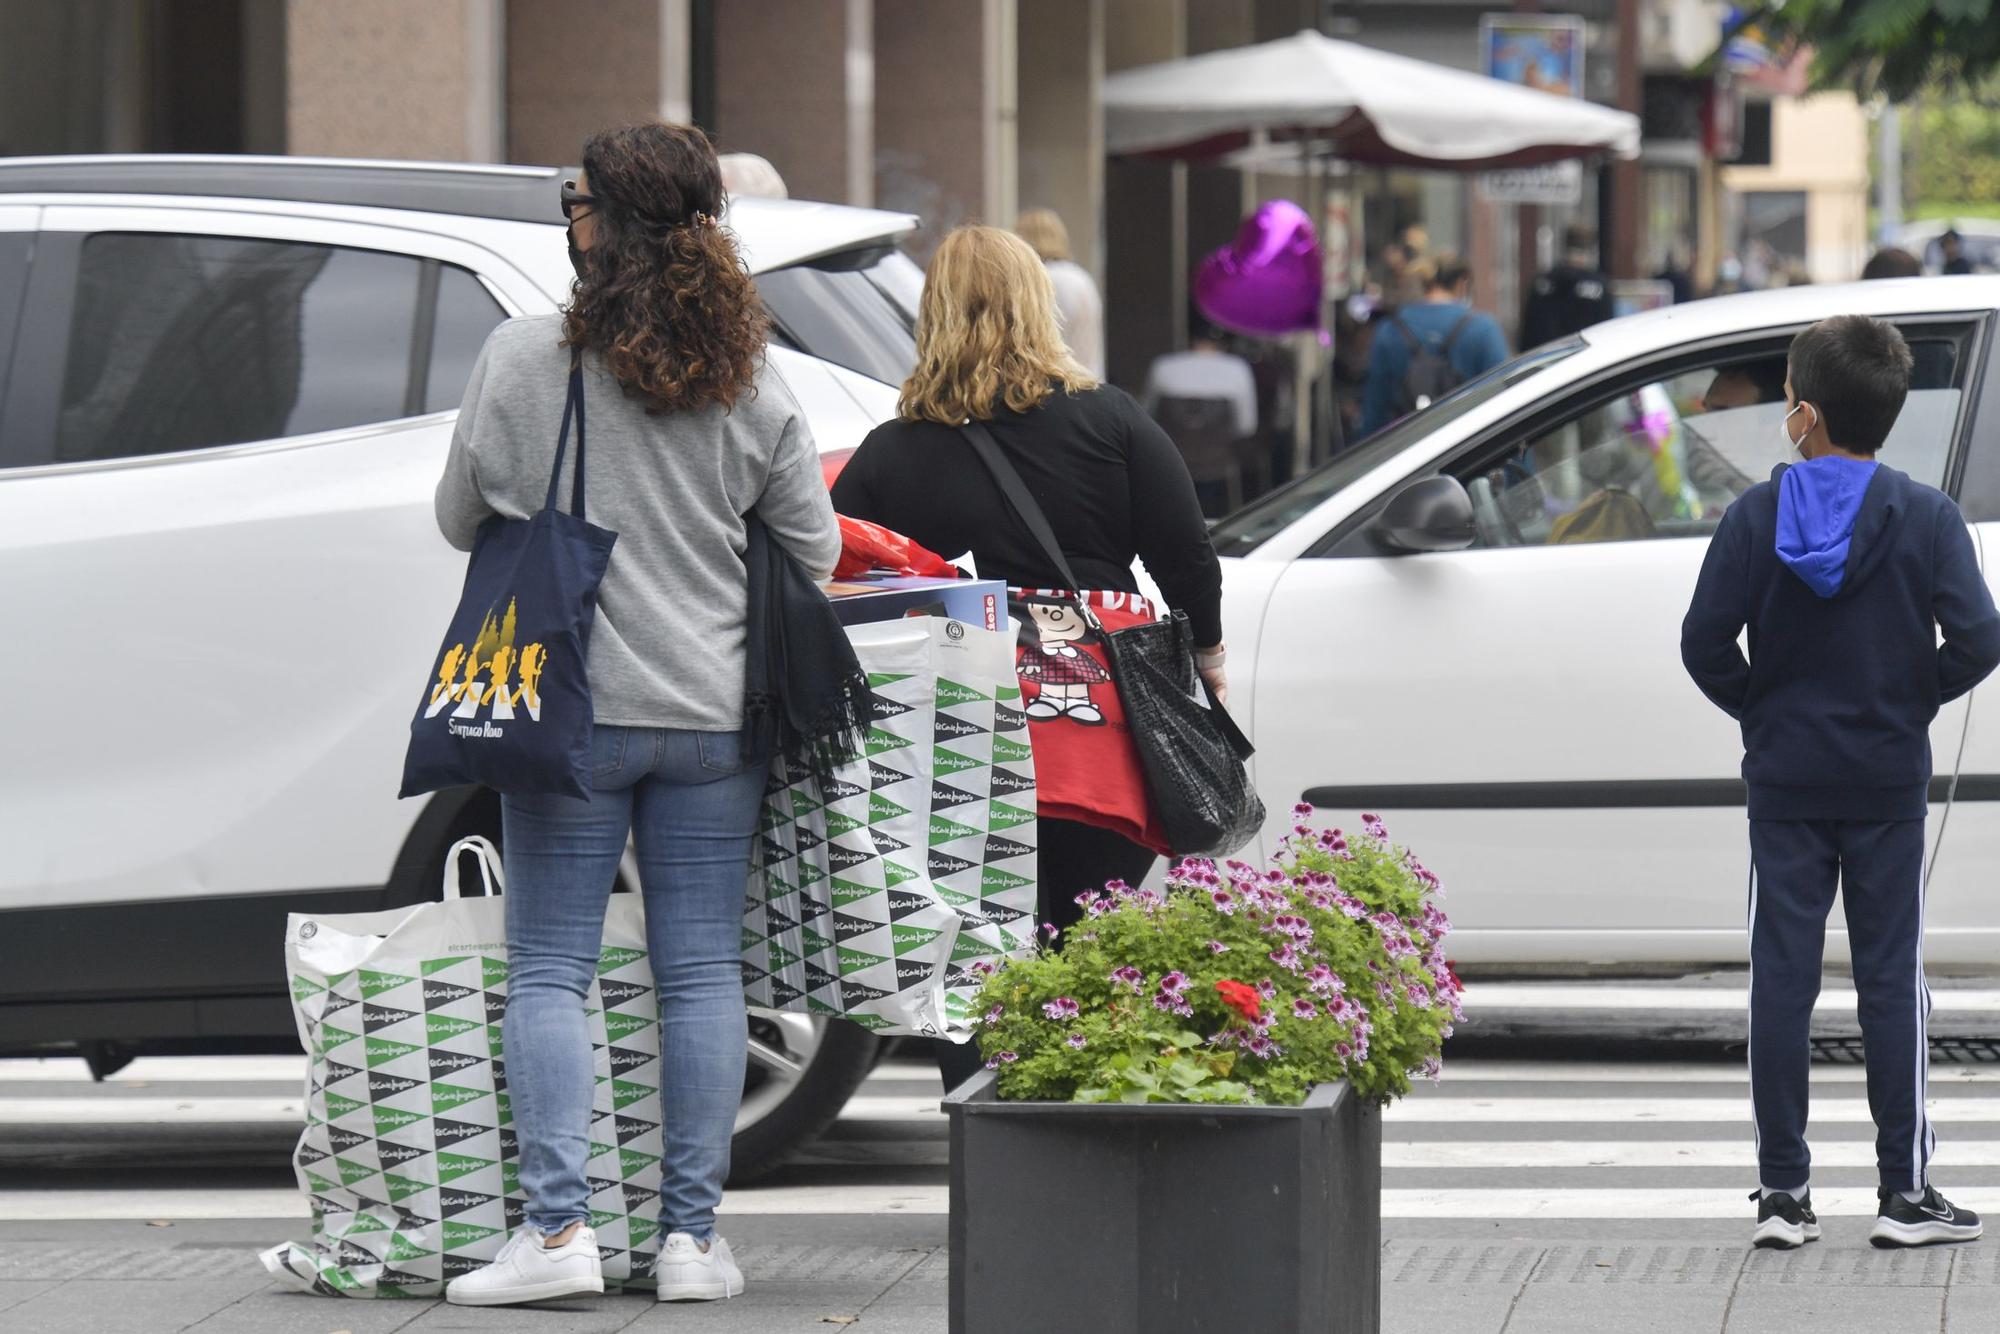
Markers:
(802, 1071)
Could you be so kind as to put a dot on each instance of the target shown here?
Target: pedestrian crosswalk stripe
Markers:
(925, 1108)
(1583, 998)
(1621, 1202)
(151, 1111)
(1546, 1154)
(290, 1070)
(131, 1111)
(1626, 1111)
(1490, 1071)
(41, 1206)
(38, 1206)
(161, 1070)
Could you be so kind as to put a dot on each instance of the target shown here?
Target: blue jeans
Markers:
(690, 801)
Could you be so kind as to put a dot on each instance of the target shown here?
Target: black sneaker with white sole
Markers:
(1783, 1223)
(1929, 1221)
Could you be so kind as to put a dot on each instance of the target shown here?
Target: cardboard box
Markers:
(888, 597)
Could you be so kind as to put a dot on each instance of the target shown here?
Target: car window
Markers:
(1248, 529)
(190, 342)
(833, 308)
(902, 281)
(15, 248)
(466, 313)
(1666, 457)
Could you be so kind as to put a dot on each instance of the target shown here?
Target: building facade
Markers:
(952, 109)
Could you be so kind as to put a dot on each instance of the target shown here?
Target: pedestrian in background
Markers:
(1845, 572)
(1207, 370)
(1079, 307)
(1396, 277)
(1424, 351)
(749, 176)
(1570, 297)
(1113, 488)
(689, 432)
(1674, 273)
(1889, 262)
(1953, 246)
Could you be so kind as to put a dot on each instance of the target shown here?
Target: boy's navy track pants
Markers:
(1795, 866)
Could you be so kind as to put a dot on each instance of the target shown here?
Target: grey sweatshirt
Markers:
(668, 646)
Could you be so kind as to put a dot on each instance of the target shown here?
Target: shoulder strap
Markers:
(1451, 339)
(1020, 499)
(1410, 339)
(572, 406)
(1022, 502)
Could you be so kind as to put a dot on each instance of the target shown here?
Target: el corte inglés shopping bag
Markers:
(873, 895)
(409, 1153)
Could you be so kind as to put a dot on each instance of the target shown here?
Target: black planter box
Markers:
(1167, 1219)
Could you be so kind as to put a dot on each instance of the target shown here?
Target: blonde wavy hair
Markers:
(987, 333)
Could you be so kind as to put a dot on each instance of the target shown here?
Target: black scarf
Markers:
(806, 697)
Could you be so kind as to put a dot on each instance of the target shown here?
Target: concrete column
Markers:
(383, 78)
(263, 78)
(860, 64)
(1145, 201)
(573, 70)
(676, 22)
(782, 81)
(945, 107)
(1145, 32)
(1061, 120)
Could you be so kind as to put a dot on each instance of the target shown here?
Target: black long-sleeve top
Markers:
(1112, 484)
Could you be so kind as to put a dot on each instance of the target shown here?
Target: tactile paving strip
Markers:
(1640, 1264)
(832, 1264)
(1414, 1263)
(1671, 1265)
(1824, 1266)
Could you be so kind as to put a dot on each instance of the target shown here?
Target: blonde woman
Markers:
(1114, 489)
(1079, 309)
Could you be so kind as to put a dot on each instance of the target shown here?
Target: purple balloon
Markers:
(1268, 280)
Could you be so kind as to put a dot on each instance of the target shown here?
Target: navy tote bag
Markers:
(508, 703)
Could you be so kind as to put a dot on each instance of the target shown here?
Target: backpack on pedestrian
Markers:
(1430, 374)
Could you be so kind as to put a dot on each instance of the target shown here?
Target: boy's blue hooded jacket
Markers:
(1844, 571)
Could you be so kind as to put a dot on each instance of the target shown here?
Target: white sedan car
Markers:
(226, 390)
(1471, 624)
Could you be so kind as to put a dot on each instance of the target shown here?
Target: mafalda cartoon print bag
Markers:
(507, 705)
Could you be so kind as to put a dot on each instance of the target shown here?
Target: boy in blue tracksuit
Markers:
(1844, 571)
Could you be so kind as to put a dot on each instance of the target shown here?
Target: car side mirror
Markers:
(1430, 514)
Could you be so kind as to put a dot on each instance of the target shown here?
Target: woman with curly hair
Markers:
(1113, 488)
(689, 433)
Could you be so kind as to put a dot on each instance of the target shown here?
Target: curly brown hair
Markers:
(665, 297)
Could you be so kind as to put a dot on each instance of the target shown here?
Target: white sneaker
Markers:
(527, 1271)
(687, 1273)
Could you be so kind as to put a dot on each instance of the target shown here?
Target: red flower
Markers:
(1244, 1000)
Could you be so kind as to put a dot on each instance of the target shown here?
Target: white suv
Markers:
(226, 390)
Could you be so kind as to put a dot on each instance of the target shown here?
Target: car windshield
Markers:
(840, 308)
(1248, 529)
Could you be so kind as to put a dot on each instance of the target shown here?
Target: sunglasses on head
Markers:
(573, 199)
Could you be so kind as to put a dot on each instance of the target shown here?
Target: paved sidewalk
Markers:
(877, 1275)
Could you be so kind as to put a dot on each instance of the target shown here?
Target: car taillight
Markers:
(831, 462)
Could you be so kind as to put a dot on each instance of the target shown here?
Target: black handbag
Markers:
(1190, 750)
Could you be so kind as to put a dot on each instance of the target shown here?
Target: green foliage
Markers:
(1338, 949)
(1951, 152)
(1893, 47)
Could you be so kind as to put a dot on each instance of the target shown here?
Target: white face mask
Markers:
(1795, 448)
